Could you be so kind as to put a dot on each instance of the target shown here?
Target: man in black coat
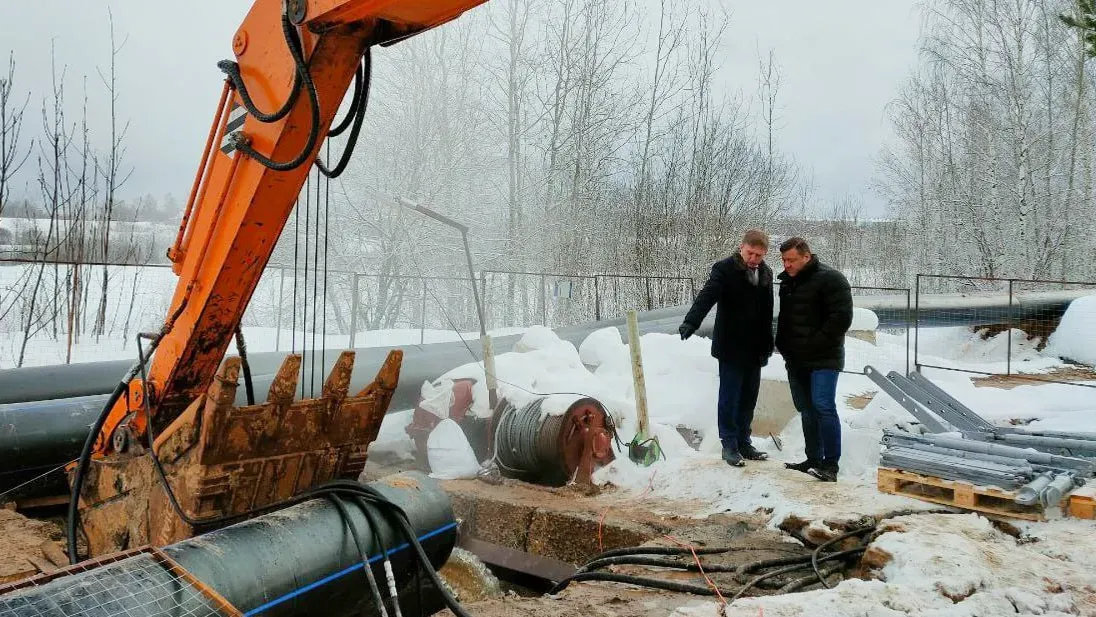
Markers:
(742, 287)
(815, 314)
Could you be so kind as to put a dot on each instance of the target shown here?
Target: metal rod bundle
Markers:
(954, 468)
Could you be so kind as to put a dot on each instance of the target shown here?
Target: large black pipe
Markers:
(298, 561)
(54, 412)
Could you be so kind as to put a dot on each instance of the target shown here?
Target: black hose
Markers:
(85, 459)
(241, 350)
(357, 111)
(793, 568)
(642, 581)
(359, 88)
(818, 550)
(232, 71)
(363, 554)
(666, 550)
(294, 43)
(396, 515)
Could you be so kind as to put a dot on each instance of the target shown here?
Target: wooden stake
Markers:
(637, 374)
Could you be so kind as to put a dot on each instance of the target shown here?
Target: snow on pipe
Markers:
(296, 561)
(92, 378)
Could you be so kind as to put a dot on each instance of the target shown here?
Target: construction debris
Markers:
(1034, 468)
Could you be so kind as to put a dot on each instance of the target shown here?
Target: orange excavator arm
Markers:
(299, 56)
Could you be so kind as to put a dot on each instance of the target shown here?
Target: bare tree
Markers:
(111, 169)
(12, 154)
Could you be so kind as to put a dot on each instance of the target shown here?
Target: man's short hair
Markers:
(756, 237)
(797, 243)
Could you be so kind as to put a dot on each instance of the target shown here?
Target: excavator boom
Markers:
(240, 203)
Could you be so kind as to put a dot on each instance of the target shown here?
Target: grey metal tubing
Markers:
(1029, 493)
(915, 408)
(943, 396)
(1083, 467)
(1037, 441)
(298, 561)
(1061, 485)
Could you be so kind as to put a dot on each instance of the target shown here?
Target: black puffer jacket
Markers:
(743, 330)
(815, 314)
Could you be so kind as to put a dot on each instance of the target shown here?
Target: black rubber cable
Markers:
(818, 550)
(244, 145)
(241, 350)
(753, 582)
(344, 124)
(365, 72)
(83, 462)
(363, 554)
(642, 581)
(232, 70)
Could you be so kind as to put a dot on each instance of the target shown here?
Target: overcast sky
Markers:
(842, 62)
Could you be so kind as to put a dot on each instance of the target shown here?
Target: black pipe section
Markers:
(298, 561)
(62, 395)
(40, 383)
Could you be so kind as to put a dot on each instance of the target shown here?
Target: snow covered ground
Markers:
(940, 565)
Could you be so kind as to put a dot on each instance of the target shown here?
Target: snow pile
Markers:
(864, 320)
(955, 565)
(1075, 336)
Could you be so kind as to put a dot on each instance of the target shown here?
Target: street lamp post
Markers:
(485, 340)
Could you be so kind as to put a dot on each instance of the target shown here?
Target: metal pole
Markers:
(543, 301)
(472, 280)
(278, 327)
(909, 320)
(1008, 325)
(916, 320)
(422, 320)
(597, 300)
(353, 309)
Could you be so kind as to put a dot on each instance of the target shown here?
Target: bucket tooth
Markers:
(284, 387)
(388, 377)
(337, 386)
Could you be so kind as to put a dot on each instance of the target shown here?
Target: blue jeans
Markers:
(738, 387)
(814, 394)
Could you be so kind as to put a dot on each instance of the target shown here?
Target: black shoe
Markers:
(825, 473)
(751, 453)
(803, 467)
(733, 458)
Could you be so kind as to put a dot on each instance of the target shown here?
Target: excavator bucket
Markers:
(223, 461)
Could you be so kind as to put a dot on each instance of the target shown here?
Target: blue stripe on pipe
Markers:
(341, 573)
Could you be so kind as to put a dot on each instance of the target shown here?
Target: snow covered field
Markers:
(940, 565)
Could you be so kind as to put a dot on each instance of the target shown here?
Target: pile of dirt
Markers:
(29, 546)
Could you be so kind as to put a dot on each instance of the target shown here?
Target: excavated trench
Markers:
(531, 537)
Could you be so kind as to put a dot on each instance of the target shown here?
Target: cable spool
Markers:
(557, 448)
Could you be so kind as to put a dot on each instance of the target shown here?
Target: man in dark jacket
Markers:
(742, 287)
(815, 314)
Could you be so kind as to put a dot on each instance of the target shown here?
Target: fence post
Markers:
(597, 300)
(422, 319)
(692, 287)
(281, 299)
(648, 280)
(1008, 325)
(916, 320)
(353, 309)
(909, 320)
(486, 303)
(544, 303)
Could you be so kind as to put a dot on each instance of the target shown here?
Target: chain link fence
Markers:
(1005, 331)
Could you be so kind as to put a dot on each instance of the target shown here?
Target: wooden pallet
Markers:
(1082, 503)
(993, 502)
